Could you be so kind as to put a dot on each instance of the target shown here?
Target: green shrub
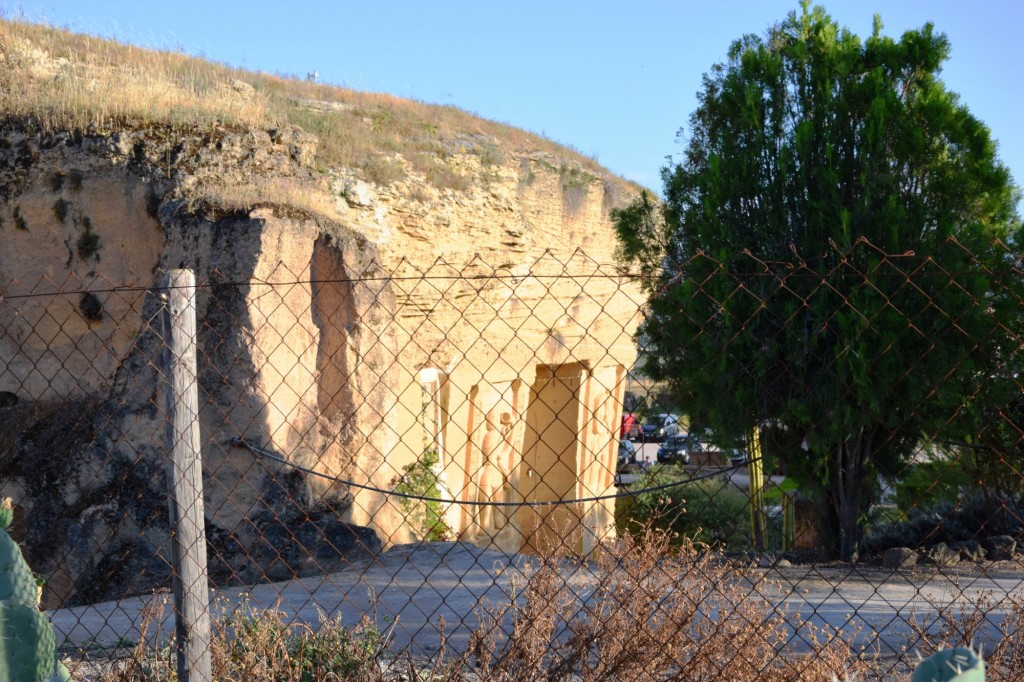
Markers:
(526, 174)
(711, 511)
(419, 479)
(973, 517)
(491, 154)
(927, 483)
(251, 643)
(443, 176)
(262, 637)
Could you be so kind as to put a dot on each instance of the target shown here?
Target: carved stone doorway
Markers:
(554, 418)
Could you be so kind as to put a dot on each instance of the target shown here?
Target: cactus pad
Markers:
(27, 649)
(60, 674)
(6, 512)
(17, 584)
(960, 664)
(27, 652)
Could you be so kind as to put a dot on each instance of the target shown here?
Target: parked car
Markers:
(737, 456)
(627, 453)
(676, 448)
(658, 427)
(628, 463)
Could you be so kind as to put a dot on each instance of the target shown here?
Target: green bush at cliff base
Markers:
(707, 511)
(420, 479)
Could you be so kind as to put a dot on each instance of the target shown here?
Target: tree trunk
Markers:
(850, 491)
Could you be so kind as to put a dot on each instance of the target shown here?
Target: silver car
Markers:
(658, 427)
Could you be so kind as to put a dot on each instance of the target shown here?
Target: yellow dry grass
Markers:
(59, 80)
(262, 191)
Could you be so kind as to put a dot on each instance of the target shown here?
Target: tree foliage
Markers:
(831, 258)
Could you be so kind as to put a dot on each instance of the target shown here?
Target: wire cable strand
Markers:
(240, 442)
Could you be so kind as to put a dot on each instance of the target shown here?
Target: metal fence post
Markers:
(788, 521)
(755, 469)
(185, 474)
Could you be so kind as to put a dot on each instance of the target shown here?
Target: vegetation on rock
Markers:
(54, 80)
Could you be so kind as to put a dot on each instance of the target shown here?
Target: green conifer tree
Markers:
(833, 259)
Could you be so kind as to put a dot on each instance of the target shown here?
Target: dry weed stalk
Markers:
(649, 610)
(259, 645)
(644, 608)
(265, 645)
(146, 660)
(969, 623)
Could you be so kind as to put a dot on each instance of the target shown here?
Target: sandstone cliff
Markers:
(320, 340)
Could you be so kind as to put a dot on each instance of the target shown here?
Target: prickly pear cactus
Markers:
(27, 648)
(27, 652)
(960, 664)
(16, 580)
(60, 673)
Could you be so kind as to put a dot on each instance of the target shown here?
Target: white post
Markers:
(185, 476)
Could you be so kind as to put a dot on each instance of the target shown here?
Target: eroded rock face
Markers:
(520, 309)
(899, 557)
(308, 349)
(74, 228)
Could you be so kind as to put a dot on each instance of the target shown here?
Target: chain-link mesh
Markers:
(463, 472)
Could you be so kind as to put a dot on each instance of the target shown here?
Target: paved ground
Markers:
(409, 588)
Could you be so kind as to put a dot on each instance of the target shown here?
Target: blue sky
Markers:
(616, 80)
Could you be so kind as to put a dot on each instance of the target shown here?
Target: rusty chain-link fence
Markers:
(463, 472)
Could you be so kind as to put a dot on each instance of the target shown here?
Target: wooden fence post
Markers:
(185, 475)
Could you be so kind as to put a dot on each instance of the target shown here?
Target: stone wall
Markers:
(317, 342)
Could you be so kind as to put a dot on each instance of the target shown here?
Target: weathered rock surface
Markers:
(899, 557)
(1000, 547)
(309, 348)
(971, 550)
(942, 554)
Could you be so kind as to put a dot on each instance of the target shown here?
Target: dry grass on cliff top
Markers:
(61, 80)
